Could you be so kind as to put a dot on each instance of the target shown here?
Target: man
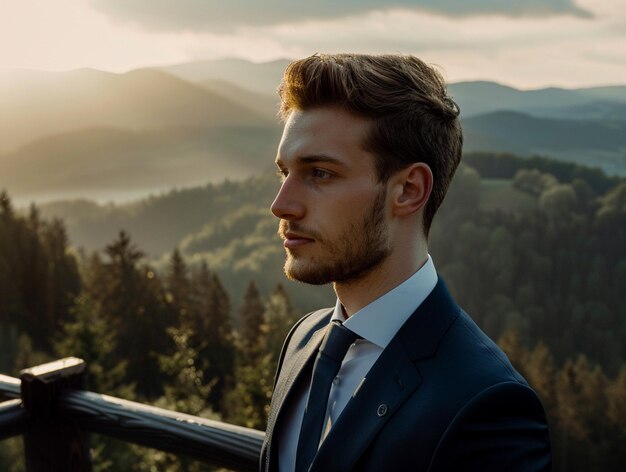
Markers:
(369, 147)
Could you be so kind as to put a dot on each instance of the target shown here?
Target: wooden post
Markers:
(53, 443)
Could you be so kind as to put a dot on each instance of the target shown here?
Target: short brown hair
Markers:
(413, 118)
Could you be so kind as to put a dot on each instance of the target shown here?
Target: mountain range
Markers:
(110, 136)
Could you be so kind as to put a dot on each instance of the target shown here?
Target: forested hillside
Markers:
(535, 251)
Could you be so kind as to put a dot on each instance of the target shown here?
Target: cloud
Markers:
(220, 15)
(524, 50)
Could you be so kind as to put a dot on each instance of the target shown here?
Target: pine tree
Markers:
(616, 396)
(211, 334)
(253, 326)
(280, 317)
(32, 269)
(89, 337)
(248, 402)
(28, 355)
(9, 340)
(581, 407)
(63, 278)
(132, 301)
(616, 415)
(178, 287)
(518, 355)
(541, 375)
(185, 392)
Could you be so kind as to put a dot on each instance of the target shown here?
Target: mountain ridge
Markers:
(138, 99)
(171, 129)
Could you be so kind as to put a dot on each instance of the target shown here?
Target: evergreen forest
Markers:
(533, 249)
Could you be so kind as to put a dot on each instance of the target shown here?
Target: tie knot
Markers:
(337, 341)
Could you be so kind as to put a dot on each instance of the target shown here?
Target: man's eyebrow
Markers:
(314, 159)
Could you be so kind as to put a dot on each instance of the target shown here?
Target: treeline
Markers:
(547, 281)
(504, 166)
(586, 409)
(167, 339)
(554, 275)
(554, 272)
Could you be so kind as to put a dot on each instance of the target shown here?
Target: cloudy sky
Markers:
(525, 43)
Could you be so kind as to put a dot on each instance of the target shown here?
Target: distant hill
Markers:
(588, 142)
(265, 105)
(261, 77)
(116, 136)
(110, 136)
(161, 222)
(474, 97)
(113, 161)
(36, 104)
(480, 97)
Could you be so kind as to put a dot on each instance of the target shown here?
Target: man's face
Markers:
(331, 205)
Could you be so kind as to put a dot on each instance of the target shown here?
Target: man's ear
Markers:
(413, 185)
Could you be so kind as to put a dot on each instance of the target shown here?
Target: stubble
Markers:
(356, 251)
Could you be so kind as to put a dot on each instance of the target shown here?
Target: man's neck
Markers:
(390, 273)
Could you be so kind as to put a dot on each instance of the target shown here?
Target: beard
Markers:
(358, 249)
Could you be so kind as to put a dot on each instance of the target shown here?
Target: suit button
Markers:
(335, 380)
(382, 410)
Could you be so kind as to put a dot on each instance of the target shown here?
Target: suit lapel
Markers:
(392, 379)
(297, 365)
(297, 360)
(389, 383)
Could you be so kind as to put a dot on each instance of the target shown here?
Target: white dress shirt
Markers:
(377, 323)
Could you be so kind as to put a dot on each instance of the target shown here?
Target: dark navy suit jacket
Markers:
(441, 397)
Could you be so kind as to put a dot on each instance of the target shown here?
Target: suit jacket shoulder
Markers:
(442, 396)
(501, 428)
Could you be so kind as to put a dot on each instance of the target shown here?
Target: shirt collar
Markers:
(379, 321)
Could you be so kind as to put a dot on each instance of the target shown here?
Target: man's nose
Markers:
(288, 204)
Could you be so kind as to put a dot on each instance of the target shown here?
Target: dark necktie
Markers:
(331, 354)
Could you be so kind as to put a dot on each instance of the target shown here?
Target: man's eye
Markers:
(321, 174)
(282, 174)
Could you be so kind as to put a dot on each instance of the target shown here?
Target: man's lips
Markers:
(293, 240)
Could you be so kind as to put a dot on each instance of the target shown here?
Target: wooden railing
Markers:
(50, 408)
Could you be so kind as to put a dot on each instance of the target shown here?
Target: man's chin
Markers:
(305, 273)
